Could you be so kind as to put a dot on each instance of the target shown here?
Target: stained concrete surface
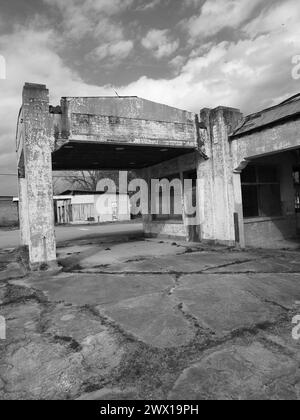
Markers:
(179, 321)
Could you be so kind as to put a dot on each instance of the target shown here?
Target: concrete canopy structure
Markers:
(86, 134)
(129, 133)
(119, 133)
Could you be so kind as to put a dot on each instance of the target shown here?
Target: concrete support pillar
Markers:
(23, 213)
(147, 218)
(191, 222)
(220, 203)
(238, 210)
(183, 203)
(35, 183)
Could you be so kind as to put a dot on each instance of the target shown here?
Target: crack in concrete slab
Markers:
(268, 301)
(193, 321)
(34, 296)
(200, 329)
(69, 342)
(207, 270)
(250, 272)
(176, 279)
(276, 347)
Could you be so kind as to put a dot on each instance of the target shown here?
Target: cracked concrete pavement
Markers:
(151, 319)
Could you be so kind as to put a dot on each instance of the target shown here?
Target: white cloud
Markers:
(95, 18)
(85, 17)
(108, 31)
(31, 57)
(160, 43)
(149, 5)
(249, 74)
(113, 44)
(109, 7)
(194, 3)
(218, 14)
(118, 51)
(279, 19)
(178, 62)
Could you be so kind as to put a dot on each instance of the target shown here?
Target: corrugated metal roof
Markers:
(287, 109)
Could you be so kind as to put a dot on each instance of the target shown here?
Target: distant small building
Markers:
(9, 215)
(77, 207)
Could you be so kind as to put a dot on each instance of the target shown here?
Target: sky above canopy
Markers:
(186, 53)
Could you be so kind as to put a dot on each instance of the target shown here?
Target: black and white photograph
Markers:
(149, 203)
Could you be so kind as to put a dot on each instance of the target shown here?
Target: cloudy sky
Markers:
(185, 53)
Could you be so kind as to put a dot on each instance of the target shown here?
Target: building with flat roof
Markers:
(243, 171)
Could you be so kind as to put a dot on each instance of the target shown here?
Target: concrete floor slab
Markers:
(223, 304)
(40, 369)
(67, 321)
(99, 289)
(278, 289)
(240, 373)
(153, 319)
(11, 271)
(132, 251)
(67, 251)
(284, 342)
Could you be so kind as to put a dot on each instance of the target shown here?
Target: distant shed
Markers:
(78, 207)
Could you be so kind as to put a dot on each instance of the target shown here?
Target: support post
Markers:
(220, 203)
(35, 178)
(239, 214)
(23, 214)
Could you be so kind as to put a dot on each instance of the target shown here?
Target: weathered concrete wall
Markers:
(269, 232)
(170, 228)
(165, 230)
(130, 120)
(8, 212)
(35, 176)
(175, 166)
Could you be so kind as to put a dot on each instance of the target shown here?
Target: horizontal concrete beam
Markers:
(128, 120)
(126, 130)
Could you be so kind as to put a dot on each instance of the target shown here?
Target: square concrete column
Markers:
(220, 203)
(35, 178)
(239, 227)
(145, 174)
(23, 213)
